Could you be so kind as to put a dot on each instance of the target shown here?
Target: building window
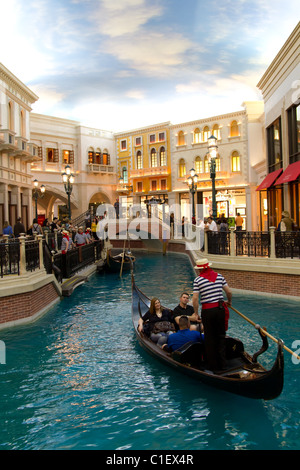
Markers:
(139, 186)
(206, 133)
(10, 116)
(50, 155)
(153, 185)
(197, 136)
(206, 165)
(198, 165)
(91, 156)
(181, 138)
(22, 124)
(294, 133)
(218, 164)
(65, 157)
(163, 185)
(216, 131)
(162, 155)
(139, 160)
(153, 158)
(124, 144)
(125, 175)
(105, 158)
(235, 162)
(234, 129)
(161, 137)
(152, 138)
(182, 168)
(274, 146)
(138, 141)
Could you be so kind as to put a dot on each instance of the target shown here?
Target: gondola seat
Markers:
(190, 353)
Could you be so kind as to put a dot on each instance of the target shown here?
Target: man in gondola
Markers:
(184, 335)
(184, 308)
(209, 286)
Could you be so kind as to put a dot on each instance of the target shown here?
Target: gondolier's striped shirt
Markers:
(210, 291)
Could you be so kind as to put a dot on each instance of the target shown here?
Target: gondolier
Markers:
(209, 286)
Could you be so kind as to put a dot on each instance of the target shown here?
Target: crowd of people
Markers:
(172, 329)
(72, 235)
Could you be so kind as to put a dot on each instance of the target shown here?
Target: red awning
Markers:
(269, 180)
(290, 174)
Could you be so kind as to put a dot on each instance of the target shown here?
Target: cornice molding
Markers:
(285, 61)
(16, 84)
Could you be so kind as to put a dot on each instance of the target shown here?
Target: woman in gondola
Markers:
(157, 322)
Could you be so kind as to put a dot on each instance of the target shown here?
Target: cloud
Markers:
(120, 17)
(152, 53)
(49, 98)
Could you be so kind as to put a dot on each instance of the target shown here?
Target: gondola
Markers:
(115, 264)
(243, 376)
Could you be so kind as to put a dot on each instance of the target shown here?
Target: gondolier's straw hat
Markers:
(202, 263)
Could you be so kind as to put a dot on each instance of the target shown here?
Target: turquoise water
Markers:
(77, 378)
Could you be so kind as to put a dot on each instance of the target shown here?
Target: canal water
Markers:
(77, 378)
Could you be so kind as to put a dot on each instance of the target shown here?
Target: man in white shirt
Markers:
(212, 224)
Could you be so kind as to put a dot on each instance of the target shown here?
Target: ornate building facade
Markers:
(17, 150)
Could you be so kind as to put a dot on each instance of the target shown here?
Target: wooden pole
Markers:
(264, 332)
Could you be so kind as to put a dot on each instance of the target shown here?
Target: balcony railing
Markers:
(153, 171)
(97, 168)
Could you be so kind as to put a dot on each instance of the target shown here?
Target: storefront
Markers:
(270, 200)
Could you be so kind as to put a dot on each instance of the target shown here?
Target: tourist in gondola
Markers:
(157, 323)
(184, 335)
(184, 308)
(209, 286)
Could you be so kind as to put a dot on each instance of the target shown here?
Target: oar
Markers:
(264, 332)
(122, 259)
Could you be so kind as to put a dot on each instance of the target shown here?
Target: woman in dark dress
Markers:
(155, 314)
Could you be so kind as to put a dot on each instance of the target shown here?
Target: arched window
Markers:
(22, 124)
(197, 136)
(198, 165)
(181, 138)
(218, 164)
(206, 164)
(216, 131)
(235, 162)
(139, 160)
(153, 158)
(162, 156)
(205, 133)
(182, 168)
(91, 155)
(97, 156)
(234, 129)
(10, 116)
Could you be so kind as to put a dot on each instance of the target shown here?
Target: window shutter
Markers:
(71, 156)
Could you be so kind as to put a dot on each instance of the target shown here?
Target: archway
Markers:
(96, 200)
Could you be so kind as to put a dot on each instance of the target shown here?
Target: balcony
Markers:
(7, 140)
(146, 172)
(97, 168)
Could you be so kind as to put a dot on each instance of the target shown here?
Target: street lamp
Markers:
(68, 180)
(192, 182)
(37, 193)
(212, 153)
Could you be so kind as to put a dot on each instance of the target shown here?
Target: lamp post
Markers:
(192, 182)
(68, 180)
(37, 193)
(212, 152)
